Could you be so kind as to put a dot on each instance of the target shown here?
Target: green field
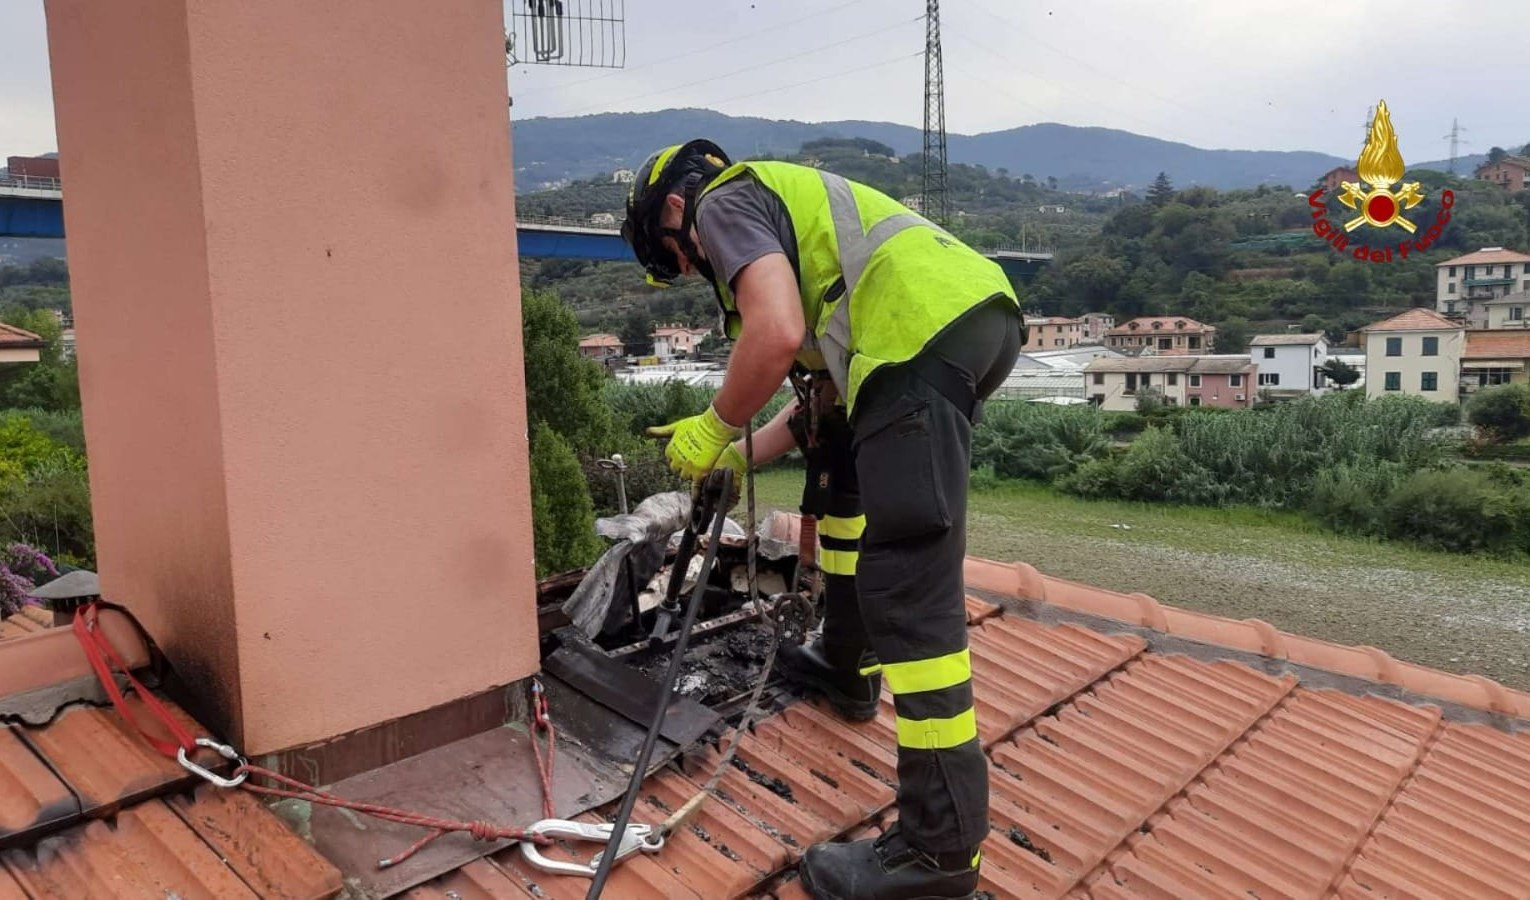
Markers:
(1459, 613)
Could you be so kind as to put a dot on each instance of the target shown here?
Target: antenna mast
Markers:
(934, 198)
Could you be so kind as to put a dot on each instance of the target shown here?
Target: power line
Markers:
(1134, 85)
(708, 48)
(713, 79)
(991, 83)
(787, 87)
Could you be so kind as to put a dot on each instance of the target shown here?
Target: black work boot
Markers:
(817, 667)
(887, 868)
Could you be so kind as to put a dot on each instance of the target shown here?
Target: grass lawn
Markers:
(1456, 612)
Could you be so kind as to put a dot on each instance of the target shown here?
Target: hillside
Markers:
(551, 150)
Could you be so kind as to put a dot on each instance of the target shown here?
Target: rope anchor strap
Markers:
(104, 658)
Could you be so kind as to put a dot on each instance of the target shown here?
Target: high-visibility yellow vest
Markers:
(878, 281)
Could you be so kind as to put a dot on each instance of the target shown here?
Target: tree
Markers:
(1341, 373)
(562, 387)
(562, 514)
(1149, 400)
(1232, 335)
(1497, 154)
(1162, 190)
(1503, 411)
(637, 333)
(1051, 182)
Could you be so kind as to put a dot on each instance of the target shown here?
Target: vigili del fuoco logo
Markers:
(1380, 166)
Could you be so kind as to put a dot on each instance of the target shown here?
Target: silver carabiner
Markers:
(223, 750)
(635, 838)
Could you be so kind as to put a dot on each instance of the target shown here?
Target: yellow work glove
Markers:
(696, 442)
(733, 459)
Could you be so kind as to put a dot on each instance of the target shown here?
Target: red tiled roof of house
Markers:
(1416, 319)
(1486, 255)
(679, 329)
(89, 809)
(1497, 345)
(601, 340)
(29, 620)
(1140, 751)
(1510, 160)
(1165, 325)
(1284, 340)
(11, 336)
(1135, 750)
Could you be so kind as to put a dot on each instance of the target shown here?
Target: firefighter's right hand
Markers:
(696, 443)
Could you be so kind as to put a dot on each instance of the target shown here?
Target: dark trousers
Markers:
(906, 601)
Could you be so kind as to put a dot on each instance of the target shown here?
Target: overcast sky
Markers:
(1238, 74)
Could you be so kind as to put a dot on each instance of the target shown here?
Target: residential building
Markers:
(913, 202)
(1464, 284)
(1162, 335)
(1333, 180)
(1494, 357)
(1416, 353)
(603, 220)
(1096, 325)
(601, 347)
(623, 176)
(18, 346)
(1290, 363)
(1225, 381)
(1051, 208)
(1071, 358)
(1509, 173)
(1512, 310)
(670, 341)
(1052, 332)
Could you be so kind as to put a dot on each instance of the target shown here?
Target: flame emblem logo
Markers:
(1380, 166)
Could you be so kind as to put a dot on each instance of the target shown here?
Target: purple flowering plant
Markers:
(21, 568)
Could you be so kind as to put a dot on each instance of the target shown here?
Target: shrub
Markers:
(64, 427)
(563, 518)
(1037, 440)
(1123, 424)
(648, 473)
(22, 568)
(1503, 411)
(1351, 498)
(1459, 510)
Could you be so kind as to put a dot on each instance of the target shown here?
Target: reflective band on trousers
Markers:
(838, 562)
(937, 734)
(856, 246)
(837, 527)
(935, 674)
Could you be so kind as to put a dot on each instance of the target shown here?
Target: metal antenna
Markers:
(1455, 143)
(934, 199)
(589, 33)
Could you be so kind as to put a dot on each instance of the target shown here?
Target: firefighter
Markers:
(906, 331)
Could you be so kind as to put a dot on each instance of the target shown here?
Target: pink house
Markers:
(1116, 383)
(677, 340)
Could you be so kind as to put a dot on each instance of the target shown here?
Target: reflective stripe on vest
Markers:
(855, 249)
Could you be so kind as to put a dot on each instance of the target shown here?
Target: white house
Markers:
(1509, 311)
(1290, 363)
(1417, 353)
(1465, 284)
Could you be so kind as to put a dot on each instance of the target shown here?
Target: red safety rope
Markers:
(541, 722)
(103, 657)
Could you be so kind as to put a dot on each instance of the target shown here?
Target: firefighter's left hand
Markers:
(696, 442)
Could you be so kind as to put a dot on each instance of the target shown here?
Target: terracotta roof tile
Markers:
(10, 335)
(1417, 319)
(1486, 255)
(103, 760)
(30, 794)
(1497, 345)
(260, 848)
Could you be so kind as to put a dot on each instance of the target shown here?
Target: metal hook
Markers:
(223, 750)
(634, 838)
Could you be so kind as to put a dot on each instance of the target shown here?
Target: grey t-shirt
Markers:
(741, 221)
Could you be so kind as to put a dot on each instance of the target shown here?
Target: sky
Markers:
(1230, 74)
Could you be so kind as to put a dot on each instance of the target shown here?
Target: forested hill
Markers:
(548, 150)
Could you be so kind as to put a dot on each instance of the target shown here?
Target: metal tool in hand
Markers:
(706, 500)
(634, 838)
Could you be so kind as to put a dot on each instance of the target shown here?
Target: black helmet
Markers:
(679, 169)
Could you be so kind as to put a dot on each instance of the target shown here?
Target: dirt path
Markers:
(1461, 614)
